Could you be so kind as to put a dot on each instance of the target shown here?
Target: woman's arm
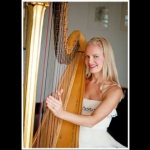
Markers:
(109, 102)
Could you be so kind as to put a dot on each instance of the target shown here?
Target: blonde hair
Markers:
(109, 67)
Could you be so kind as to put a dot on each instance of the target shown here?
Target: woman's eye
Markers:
(95, 56)
(86, 56)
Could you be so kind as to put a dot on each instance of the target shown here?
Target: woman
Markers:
(101, 97)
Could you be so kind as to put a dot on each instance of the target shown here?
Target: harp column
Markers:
(36, 12)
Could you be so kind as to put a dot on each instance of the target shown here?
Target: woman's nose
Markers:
(90, 60)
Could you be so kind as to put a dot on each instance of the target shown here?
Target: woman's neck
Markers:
(96, 78)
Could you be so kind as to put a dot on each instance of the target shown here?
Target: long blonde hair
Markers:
(109, 67)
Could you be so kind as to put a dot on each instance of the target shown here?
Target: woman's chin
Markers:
(92, 71)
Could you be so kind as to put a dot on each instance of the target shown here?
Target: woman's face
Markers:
(94, 58)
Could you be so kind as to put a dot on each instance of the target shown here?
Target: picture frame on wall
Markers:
(99, 15)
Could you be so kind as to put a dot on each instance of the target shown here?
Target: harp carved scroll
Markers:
(64, 56)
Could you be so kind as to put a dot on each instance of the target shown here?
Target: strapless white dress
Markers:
(97, 136)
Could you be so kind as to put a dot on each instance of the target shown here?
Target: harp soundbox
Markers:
(53, 132)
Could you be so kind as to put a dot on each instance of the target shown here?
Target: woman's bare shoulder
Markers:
(112, 90)
(110, 86)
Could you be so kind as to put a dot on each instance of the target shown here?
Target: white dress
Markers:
(97, 136)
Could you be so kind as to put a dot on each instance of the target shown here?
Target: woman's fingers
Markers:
(57, 94)
(52, 102)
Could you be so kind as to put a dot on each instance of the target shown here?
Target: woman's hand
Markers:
(54, 103)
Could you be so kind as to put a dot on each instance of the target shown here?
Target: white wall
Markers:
(79, 19)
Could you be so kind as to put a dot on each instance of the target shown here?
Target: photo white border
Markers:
(128, 72)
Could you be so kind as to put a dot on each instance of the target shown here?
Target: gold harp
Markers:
(53, 132)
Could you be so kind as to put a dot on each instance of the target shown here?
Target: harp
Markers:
(52, 132)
